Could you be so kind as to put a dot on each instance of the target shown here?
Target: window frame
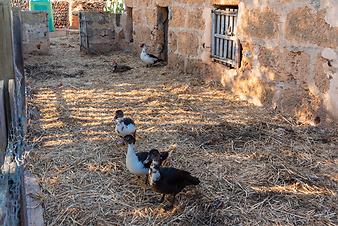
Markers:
(225, 45)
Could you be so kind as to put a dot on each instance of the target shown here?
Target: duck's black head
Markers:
(129, 139)
(118, 114)
(154, 155)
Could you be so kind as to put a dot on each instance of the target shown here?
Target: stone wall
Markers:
(289, 61)
(99, 32)
(35, 32)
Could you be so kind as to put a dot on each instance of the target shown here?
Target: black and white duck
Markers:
(124, 125)
(138, 163)
(148, 58)
(168, 181)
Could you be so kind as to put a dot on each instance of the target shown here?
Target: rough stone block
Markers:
(195, 20)
(129, 3)
(138, 17)
(285, 65)
(179, 17)
(263, 23)
(163, 3)
(176, 62)
(144, 3)
(35, 32)
(142, 34)
(151, 16)
(224, 2)
(251, 87)
(98, 32)
(196, 67)
(296, 101)
(192, 1)
(307, 26)
(322, 74)
(172, 41)
(188, 43)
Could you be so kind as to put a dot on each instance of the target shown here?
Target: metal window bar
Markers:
(224, 44)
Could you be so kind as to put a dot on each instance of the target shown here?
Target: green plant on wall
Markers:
(114, 6)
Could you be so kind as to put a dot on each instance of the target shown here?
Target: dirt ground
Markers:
(256, 167)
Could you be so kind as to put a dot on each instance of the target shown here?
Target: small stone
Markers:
(329, 54)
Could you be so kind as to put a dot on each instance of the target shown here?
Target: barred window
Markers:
(225, 46)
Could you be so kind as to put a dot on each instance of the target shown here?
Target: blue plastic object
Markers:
(44, 5)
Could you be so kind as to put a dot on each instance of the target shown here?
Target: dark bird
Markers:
(124, 125)
(148, 58)
(118, 68)
(168, 180)
(138, 163)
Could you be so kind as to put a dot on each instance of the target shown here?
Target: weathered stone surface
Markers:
(307, 26)
(322, 79)
(191, 1)
(195, 20)
(247, 56)
(151, 16)
(98, 32)
(196, 67)
(129, 3)
(296, 101)
(252, 88)
(260, 23)
(224, 2)
(138, 18)
(179, 17)
(188, 43)
(163, 3)
(172, 41)
(285, 65)
(142, 34)
(176, 62)
(143, 3)
(35, 32)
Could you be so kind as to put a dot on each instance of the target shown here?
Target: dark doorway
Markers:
(129, 24)
(162, 32)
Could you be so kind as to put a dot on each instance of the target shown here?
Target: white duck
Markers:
(124, 126)
(138, 163)
(148, 58)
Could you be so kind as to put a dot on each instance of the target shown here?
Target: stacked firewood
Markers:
(23, 4)
(61, 14)
(82, 5)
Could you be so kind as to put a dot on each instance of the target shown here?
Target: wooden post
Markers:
(3, 126)
(6, 52)
(19, 68)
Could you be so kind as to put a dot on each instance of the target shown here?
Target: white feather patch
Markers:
(124, 130)
(133, 164)
(146, 58)
(155, 174)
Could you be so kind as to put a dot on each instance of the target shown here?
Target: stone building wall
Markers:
(289, 50)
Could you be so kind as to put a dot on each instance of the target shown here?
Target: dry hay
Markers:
(256, 167)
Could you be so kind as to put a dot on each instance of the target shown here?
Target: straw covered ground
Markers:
(256, 167)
